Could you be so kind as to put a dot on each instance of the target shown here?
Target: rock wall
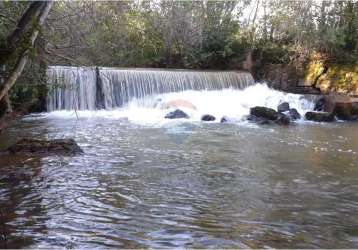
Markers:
(317, 77)
(286, 77)
(334, 78)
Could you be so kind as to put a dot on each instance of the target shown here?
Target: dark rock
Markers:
(354, 108)
(176, 114)
(283, 120)
(263, 112)
(38, 146)
(344, 107)
(259, 120)
(343, 111)
(346, 110)
(354, 118)
(319, 116)
(319, 105)
(208, 118)
(293, 114)
(283, 107)
(224, 119)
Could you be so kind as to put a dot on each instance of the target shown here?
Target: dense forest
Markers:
(241, 34)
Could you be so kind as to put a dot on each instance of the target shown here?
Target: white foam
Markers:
(231, 103)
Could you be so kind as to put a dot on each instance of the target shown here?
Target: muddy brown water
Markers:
(188, 185)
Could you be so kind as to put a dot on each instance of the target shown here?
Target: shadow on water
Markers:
(21, 185)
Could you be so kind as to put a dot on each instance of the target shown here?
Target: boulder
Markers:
(344, 107)
(46, 147)
(263, 112)
(263, 115)
(319, 105)
(259, 120)
(293, 114)
(224, 119)
(176, 114)
(343, 111)
(354, 110)
(320, 116)
(208, 118)
(283, 107)
(283, 120)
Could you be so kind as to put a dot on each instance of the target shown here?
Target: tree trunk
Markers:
(13, 40)
(22, 60)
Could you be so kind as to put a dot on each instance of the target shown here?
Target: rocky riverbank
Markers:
(317, 75)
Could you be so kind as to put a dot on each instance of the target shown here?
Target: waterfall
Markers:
(71, 88)
(88, 88)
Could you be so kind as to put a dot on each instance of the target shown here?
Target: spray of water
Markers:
(232, 103)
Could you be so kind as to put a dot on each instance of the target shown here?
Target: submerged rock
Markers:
(208, 118)
(263, 112)
(39, 146)
(293, 114)
(319, 116)
(283, 107)
(176, 114)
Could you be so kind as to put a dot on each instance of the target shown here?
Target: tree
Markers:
(26, 32)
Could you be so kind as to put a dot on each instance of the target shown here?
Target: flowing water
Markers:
(88, 88)
(148, 182)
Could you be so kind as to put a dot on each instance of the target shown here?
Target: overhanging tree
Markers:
(21, 41)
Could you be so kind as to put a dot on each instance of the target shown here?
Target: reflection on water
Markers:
(183, 185)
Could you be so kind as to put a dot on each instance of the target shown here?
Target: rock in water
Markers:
(319, 105)
(176, 114)
(319, 116)
(340, 105)
(283, 107)
(283, 120)
(259, 120)
(264, 112)
(224, 119)
(344, 107)
(294, 115)
(39, 146)
(208, 118)
(263, 115)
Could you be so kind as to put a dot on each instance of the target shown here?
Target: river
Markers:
(180, 183)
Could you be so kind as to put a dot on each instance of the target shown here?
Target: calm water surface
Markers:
(182, 185)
